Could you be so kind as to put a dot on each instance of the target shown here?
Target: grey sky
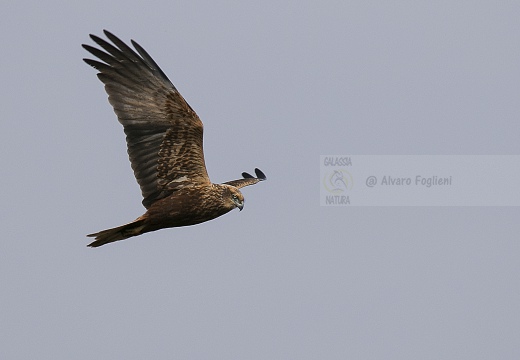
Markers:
(276, 85)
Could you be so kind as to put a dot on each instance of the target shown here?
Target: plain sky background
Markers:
(277, 84)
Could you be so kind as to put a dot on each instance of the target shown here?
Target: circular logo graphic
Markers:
(338, 181)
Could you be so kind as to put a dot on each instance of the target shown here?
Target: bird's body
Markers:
(177, 210)
(164, 138)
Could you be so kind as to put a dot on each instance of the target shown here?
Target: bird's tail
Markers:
(118, 233)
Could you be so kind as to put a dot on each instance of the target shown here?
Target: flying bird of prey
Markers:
(164, 139)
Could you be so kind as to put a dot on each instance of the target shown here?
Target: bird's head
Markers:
(238, 199)
(233, 197)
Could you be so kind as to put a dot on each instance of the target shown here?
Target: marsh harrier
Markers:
(164, 139)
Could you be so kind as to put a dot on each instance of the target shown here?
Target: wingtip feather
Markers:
(260, 174)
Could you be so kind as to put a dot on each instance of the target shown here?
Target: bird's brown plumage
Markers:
(164, 138)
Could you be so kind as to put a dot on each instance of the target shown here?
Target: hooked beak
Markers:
(238, 203)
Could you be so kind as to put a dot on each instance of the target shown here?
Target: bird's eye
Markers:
(235, 197)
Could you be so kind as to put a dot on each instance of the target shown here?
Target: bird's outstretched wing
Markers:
(248, 179)
(163, 133)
